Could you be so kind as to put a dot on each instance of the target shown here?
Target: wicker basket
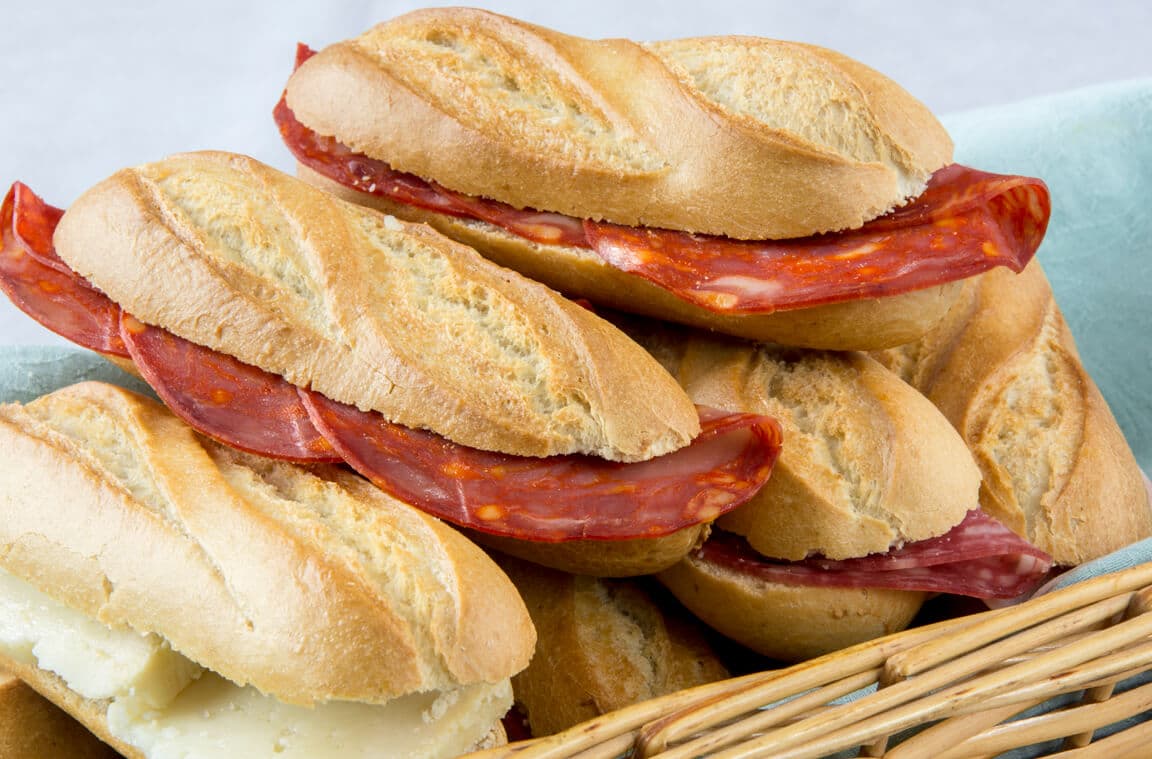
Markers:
(943, 691)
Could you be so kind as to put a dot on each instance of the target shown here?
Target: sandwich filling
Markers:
(165, 705)
(979, 557)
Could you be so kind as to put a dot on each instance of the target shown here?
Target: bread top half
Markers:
(231, 254)
(739, 136)
(307, 583)
(868, 463)
(1003, 367)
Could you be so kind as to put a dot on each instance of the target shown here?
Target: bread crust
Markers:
(33, 727)
(263, 572)
(615, 130)
(868, 463)
(1003, 368)
(788, 622)
(601, 558)
(369, 311)
(603, 645)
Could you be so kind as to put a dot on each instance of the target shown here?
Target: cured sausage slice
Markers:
(965, 223)
(980, 557)
(42, 286)
(561, 497)
(238, 404)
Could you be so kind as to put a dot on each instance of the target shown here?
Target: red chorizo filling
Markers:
(979, 557)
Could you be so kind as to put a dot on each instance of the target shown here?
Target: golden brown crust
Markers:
(33, 727)
(722, 135)
(601, 558)
(309, 584)
(852, 325)
(788, 622)
(368, 311)
(603, 645)
(867, 462)
(1003, 368)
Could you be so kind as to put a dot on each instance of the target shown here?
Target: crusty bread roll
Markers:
(1004, 369)
(32, 727)
(722, 135)
(743, 137)
(868, 464)
(368, 311)
(307, 585)
(602, 645)
(847, 325)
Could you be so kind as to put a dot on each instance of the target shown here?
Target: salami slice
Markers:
(42, 286)
(980, 557)
(240, 405)
(965, 223)
(561, 497)
(340, 163)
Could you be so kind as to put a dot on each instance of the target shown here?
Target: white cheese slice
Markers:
(214, 718)
(169, 707)
(96, 661)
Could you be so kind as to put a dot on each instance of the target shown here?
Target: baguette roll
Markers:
(369, 311)
(1003, 368)
(32, 727)
(603, 645)
(770, 190)
(254, 587)
(868, 462)
(868, 465)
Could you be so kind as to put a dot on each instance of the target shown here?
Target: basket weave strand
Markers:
(955, 686)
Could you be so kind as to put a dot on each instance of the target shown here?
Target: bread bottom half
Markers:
(788, 622)
(869, 324)
(149, 702)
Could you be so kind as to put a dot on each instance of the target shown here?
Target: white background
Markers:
(89, 87)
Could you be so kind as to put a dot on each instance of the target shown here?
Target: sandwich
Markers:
(284, 322)
(1003, 368)
(873, 506)
(182, 598)
(770, 190)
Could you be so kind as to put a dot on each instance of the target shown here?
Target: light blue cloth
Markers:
(1094, 149)
(29, 371)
